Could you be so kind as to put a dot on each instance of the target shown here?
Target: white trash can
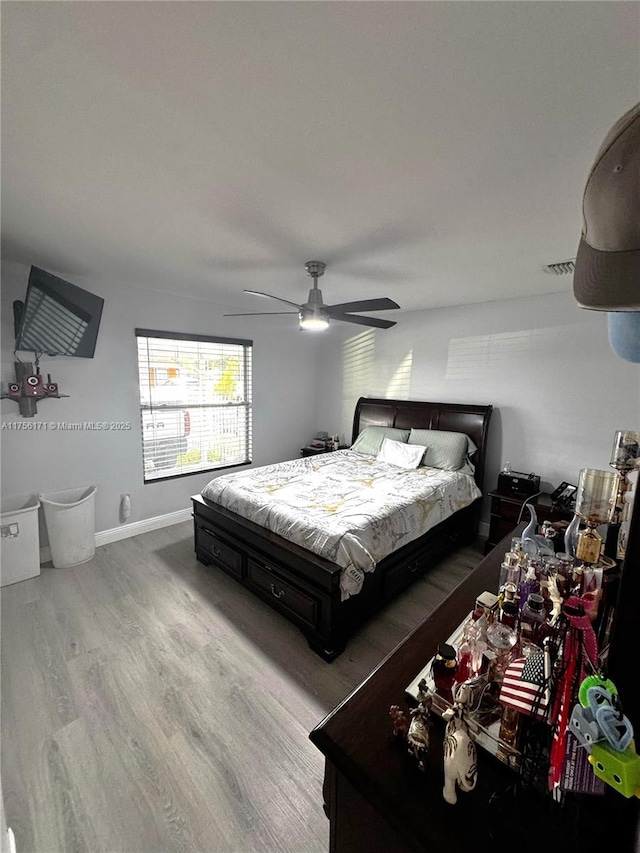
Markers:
(20, 539)
(70, 517)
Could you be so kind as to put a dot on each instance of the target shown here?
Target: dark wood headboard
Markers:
(405, 414)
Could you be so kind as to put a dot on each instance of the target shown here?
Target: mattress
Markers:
(345, 506)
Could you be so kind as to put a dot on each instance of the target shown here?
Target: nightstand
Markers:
(505, 510)
(315, 451)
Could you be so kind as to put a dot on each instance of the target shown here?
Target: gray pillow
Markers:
(446, 450)
(371, 437)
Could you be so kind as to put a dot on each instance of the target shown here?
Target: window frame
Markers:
(247, 346)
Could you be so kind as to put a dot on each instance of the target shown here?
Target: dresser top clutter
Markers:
(378, 799)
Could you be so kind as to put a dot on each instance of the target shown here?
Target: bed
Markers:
(267, 530)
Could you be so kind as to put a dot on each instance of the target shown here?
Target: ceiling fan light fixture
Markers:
(313, 319)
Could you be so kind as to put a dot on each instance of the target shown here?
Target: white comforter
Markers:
(345, 506)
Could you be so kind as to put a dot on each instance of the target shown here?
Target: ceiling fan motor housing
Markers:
(313, 313)
(315, 298)
(315, 268)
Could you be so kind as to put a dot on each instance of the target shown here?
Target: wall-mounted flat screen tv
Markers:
(58, 318)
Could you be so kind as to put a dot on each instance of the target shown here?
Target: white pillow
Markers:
(401, 454)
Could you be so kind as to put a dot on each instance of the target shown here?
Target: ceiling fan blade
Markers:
(260, 313)
(260, 293)
(363, 305)
(364, 321)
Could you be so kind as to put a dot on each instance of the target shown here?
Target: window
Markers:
(195, 403)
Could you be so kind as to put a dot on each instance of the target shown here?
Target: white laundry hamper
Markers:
(20, 542)
(70, 517)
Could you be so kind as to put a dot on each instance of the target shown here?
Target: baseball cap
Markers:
(607, 269)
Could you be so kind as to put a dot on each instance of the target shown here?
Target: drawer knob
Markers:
(215, 551)
(276, 593)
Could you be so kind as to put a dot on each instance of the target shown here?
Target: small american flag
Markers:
(525, 686)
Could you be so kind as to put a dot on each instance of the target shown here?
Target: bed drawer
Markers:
(219, 552)
(282, 594)
(400, 576)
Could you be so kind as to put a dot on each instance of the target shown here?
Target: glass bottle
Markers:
(509, 613)
(564, 574)
(509, 727)
(502, 641)
(509, 592)
(552, 565)
(532, 618)
(463, 663)
(444, 670)
(475, 641)
(527, 585)
(509, 570)
(485, 609)
(590, 545)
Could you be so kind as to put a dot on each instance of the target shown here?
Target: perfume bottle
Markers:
(473, 647)
(532, 619)
(509, 614)
(502, 641)
(564, 573)
(509, 571)
(509, 727)
(444, 669)
(590, 545)
(527, 585)
(464, 657)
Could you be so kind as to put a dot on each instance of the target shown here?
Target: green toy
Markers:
(621, 770)
(595, 681)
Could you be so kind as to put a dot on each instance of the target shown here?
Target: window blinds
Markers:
(195, 403)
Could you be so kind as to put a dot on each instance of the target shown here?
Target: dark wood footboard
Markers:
(306, 588)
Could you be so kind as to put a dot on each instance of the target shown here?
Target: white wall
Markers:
(545, 364)
(105, 388)
(558, 390)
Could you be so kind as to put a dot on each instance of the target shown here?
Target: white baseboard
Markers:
(125, 531)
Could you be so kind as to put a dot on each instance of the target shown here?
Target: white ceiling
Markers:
(432, 152)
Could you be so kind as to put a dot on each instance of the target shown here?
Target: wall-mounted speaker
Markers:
(51, 388)
(14, 389)
(32, 385)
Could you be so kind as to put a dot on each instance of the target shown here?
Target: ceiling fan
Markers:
(315, 315)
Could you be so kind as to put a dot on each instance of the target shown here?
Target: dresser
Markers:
(377, 801)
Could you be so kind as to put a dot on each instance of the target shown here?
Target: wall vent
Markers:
(561, 267)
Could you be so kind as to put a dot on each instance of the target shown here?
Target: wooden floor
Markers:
(152, 704)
